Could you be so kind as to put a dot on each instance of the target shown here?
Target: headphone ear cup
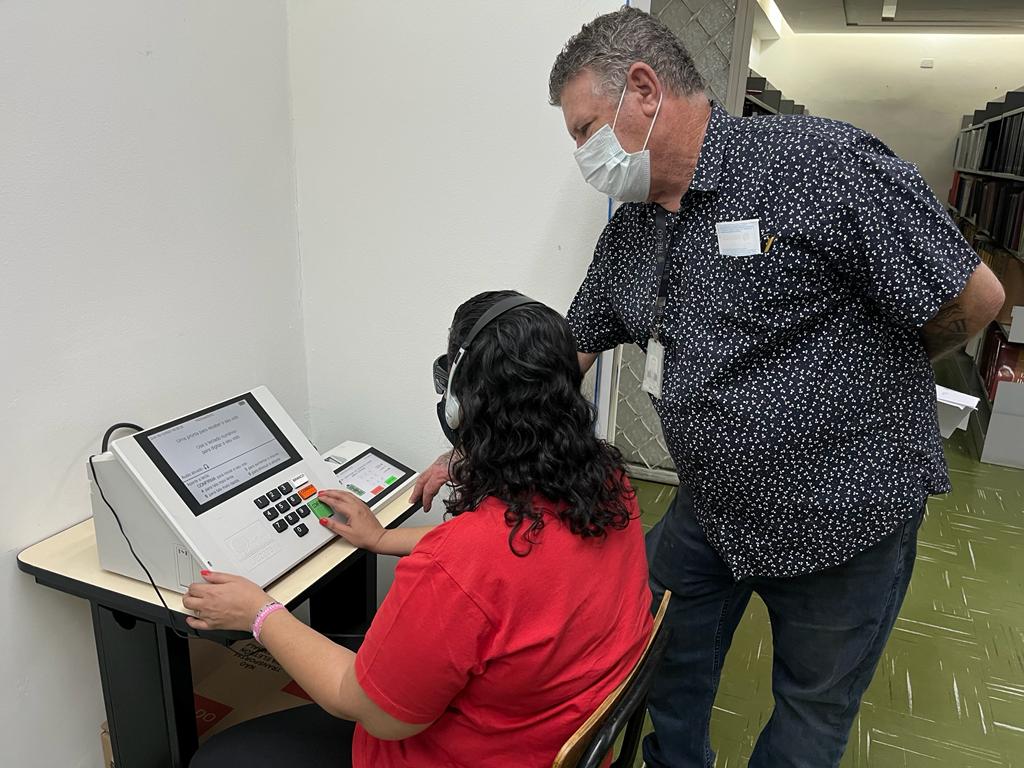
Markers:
(452, 410)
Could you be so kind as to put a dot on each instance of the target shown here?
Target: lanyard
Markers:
(662, 255)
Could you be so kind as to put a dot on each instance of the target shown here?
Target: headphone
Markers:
(452, 407)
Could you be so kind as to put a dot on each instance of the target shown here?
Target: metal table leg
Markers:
(147, 687)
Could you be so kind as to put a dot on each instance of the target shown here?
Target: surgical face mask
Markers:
(608, 168)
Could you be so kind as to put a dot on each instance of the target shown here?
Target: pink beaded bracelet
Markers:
(265, 611)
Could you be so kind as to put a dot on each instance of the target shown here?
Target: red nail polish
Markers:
(204, 572)
(323, 522)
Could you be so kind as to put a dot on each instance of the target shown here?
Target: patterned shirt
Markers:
(798, 401)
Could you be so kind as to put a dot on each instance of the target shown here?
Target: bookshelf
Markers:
(988, 180)
(992, 174)
(986, 199)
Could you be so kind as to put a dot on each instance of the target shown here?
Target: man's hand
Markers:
(224, 601)
(966, 315)
(362, 529)
(586, 360)
(432, 479)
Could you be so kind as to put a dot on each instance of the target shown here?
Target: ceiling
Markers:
(984, 16)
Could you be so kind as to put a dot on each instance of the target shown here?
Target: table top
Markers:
(68, 561)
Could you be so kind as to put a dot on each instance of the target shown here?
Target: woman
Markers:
(506, 625)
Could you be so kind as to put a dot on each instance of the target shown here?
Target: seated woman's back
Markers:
(508, 625)
(507, 654)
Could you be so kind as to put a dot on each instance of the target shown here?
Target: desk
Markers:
(144, 666)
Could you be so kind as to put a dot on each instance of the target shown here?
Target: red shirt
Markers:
(506, 655)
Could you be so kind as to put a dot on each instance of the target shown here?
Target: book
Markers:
(1017, 230)
(1013, 143)
(1017, 163)
(1008, 366)
(1000, 360)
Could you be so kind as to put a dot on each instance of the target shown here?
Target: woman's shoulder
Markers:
(485, 529)
(476, 526)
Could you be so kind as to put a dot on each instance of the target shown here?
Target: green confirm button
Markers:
(318, 508)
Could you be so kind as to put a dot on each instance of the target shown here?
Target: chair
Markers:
(625, 707)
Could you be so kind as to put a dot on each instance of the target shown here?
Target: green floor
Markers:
(949, 690)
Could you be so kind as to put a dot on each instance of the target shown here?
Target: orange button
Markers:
(306, 492)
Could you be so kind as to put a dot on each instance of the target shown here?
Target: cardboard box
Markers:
(237, 684)
(1004, 441)
(1016, 334)
(231, 685)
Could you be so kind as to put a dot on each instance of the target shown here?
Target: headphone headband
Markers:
(452, 409)
(495, 311)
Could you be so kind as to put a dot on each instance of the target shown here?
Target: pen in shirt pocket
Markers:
(768, 244)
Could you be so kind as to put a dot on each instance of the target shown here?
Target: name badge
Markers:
(654, 366)
(739, 238)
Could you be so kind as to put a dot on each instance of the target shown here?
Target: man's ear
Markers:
(644, 81)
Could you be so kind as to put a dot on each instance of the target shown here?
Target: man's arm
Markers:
(966, 315)
(586, 361)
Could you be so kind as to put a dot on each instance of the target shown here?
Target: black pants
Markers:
(828, 629)
(303, 736)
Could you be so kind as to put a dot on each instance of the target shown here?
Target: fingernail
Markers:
(323, 521)
(204, 572)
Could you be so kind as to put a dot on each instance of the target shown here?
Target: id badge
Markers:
(653, 368)
(739, 238)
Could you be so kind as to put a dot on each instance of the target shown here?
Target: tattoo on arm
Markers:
(945, 332)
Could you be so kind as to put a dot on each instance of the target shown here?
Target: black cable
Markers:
(95, 479)
(113, 429)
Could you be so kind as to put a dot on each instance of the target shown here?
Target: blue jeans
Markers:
(828, 629)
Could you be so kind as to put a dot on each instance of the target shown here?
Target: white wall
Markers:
(430, 167)
(148, 263)
(875, 81)
(149, 255)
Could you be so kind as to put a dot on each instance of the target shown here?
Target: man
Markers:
(789, 278)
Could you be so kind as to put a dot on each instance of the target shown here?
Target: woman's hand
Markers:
(224, 601)
(362, 529)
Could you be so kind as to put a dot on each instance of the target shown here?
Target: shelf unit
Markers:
(987, 200)
(988, 186)
(991, 174)
(981, 134)
(986, 238)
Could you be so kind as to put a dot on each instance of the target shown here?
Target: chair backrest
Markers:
(593, 740)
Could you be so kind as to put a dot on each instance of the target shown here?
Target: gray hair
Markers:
(610, 44)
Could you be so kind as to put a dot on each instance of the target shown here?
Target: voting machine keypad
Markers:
(300, 496)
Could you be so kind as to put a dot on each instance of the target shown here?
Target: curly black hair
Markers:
(527, 431)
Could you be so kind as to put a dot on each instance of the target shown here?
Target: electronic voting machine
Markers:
(232, 487)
